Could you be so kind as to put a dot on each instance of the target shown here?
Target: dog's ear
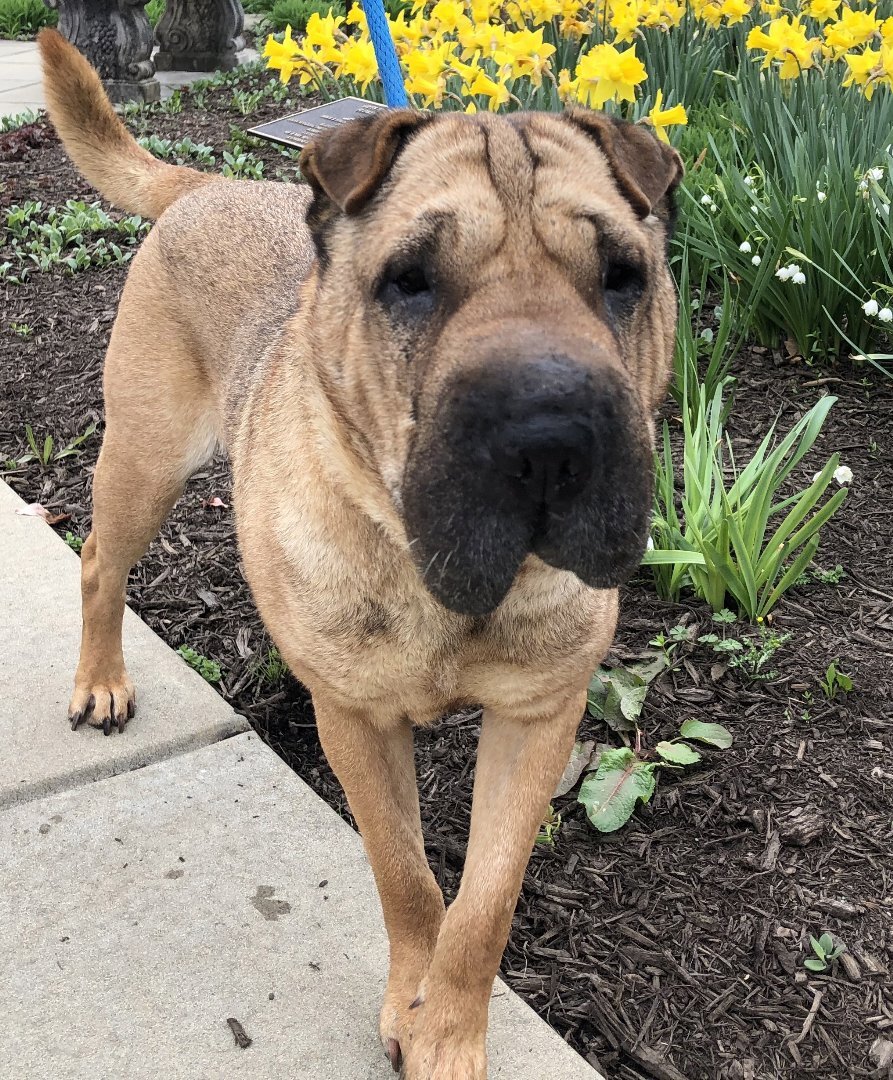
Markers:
(346, 164)
(646, 169)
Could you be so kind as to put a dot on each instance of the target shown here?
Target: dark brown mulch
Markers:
(673, 947)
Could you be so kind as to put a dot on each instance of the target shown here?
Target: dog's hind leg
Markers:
(160, 428)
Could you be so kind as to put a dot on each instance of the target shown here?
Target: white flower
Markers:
(877, 173)
(821, 195)
(745, 247)
(863, 185)
(885, 314)
(870, 307)
(754, 209)
(650, 545)
(799, 278)
(713, 208)
(748, 181)
(843, 474)
(783, 273)
(756, 260)
(706, 200)
(794, 268)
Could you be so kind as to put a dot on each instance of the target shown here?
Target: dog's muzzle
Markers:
(547, 457)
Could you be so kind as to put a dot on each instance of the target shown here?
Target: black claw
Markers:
(395, 1054)
(131, 709)
(75, 719)
(122, 720)
(107, 726)
(418, 1001)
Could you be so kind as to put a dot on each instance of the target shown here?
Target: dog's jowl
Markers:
(434, 369)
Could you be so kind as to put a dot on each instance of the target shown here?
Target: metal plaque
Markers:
(297, 129)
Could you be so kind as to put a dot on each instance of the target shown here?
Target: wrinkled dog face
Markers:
(498, 328)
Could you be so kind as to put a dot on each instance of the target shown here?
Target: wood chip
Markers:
(242, 1039)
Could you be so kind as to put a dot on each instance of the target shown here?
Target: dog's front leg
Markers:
(376, 768)
(520, 760)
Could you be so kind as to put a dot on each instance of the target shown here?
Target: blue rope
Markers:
(385, 54)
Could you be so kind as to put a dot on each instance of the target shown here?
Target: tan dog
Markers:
(433, 371)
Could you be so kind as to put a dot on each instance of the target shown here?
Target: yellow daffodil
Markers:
(355, 17)
(624, 21)
(712, 15)
(321, 33)
(406, 34)
(525, 53)
(358, 62)
(574, 29)
(449, 15)
(852, 28)
(429, 88)
(785, 42)
(567, 87)
(735, 11)
(280, 56)
(484, 38)
(864, 70)
(661, 118)
(543, 11)
(497, 92)
(823, 10)
(606, 74)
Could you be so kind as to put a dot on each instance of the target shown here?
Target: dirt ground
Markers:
(674, 947)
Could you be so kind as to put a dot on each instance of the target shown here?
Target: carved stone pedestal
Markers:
(199, 35)
(117, 39)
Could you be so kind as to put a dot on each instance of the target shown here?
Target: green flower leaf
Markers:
(611, 793)
(713, 734)
(616, 695)
(677, 753)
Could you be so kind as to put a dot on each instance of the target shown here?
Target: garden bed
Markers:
(675, 946)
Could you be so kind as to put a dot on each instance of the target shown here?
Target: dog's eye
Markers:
(408, 290)
(623, 282)
(413, 281)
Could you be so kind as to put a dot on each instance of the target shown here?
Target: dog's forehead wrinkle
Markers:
(509, 162)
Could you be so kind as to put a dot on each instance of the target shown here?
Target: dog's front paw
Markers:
(445, 1057)
(105, 702)
(397, 1016)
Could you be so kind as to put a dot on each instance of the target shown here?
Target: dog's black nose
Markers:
(547, 456)
(543, 440)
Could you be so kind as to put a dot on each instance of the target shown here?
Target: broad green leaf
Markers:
(826, 944)
(616, 695)
(814, 964)
(579, 759)
(677, 753)
(611, 793)
(714, 734)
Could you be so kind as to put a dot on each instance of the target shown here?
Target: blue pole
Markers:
(385, 54)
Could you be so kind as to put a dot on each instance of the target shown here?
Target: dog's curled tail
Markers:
(103, 150)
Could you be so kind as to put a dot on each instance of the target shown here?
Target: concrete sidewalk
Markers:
(205, 881)
(40, 627)
(21, 88)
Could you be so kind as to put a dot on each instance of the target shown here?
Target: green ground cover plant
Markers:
(23, 18)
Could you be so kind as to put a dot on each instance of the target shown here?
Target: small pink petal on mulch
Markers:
(36, 510)
(216, 502)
